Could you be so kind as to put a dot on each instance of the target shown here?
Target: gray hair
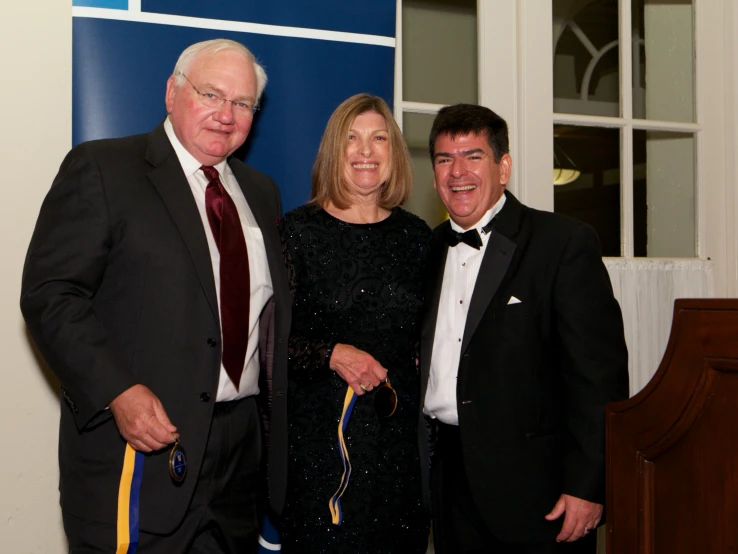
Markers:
(212, 47)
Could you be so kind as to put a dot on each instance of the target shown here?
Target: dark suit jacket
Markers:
(534, 376)
(118, 289)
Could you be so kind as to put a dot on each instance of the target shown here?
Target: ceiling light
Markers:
(565, 171)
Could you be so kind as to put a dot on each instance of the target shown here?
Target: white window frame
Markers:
(515, 49)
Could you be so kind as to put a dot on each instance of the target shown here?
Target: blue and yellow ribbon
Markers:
(335, 502)
(128, 497)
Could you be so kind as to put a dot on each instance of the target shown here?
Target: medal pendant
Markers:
(385, 400)
(177, 462)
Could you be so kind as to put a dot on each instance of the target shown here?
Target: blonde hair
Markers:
(212, 47)
(328, 182)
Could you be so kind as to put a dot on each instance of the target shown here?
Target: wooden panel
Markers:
(672, 482)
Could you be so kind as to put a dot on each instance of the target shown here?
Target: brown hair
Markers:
(466, 119)
(329, 184)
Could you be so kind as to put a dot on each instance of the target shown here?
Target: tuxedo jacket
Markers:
(534, 376)
(118, 289)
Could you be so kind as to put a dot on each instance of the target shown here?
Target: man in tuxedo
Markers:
(522, 347)
(155, 290)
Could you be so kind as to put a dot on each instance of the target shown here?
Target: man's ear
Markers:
(171, 93)
(505, 168)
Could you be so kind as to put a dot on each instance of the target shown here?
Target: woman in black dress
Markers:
(355, 262)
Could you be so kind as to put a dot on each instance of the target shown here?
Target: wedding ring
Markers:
(363, 388)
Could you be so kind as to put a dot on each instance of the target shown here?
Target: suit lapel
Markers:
(495, 264)
(436, 268)
(171, 183)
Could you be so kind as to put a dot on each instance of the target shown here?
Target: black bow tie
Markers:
(470, 237)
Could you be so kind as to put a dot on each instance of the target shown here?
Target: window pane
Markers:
(439, 51)
(586, 70)
(594, 195)
(664, 194)
(424, 201)
(663, 60)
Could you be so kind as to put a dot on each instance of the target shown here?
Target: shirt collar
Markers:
(486, 218)
(188, 162)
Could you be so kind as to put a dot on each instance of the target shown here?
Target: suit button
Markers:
(205, 397)
(212, 343)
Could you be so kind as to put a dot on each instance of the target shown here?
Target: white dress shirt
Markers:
(260, 278)
(459, 276)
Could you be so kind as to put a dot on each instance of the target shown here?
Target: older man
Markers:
(522, 347)
(155, 289)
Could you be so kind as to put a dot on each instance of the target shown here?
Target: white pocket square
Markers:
(513, 300)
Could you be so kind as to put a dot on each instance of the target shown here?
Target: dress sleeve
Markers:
(304, 354)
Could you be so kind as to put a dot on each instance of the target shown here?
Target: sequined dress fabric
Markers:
(357, 284)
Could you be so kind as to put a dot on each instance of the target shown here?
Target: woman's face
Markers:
(366, 162)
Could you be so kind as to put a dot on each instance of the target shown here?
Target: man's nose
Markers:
(224, 113)
(458, 168)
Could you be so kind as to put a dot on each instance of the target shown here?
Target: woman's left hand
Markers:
(358, 368)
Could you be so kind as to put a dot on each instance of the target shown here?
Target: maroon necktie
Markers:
(235, 290)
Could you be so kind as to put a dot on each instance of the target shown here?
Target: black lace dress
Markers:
(357, 284)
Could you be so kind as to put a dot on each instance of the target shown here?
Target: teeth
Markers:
(365, 166)
(465, 187)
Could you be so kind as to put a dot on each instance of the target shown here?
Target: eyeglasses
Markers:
(212, 100)
(385, 399)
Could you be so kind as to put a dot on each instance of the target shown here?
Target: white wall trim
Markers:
(700, 95)
(498, 72)
(715, 34)
(535, 118)
(421, 107)
(731, 147)
(398, 97)
(627, 239)
(235, 26)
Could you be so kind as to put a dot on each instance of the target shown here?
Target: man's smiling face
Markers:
(467, 177)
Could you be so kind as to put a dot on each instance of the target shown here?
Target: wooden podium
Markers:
(672, 449)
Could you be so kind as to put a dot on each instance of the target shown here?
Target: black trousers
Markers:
(458, 527)
(225, 511)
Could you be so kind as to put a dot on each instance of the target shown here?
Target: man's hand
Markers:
(581, 517)
(357, 368)
(141, 419)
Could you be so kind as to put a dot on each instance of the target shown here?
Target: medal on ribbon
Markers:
(177, 462)
(385, 399)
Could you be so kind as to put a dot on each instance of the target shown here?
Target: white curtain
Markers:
(646, 289)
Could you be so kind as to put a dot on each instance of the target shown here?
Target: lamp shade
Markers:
(564, 176)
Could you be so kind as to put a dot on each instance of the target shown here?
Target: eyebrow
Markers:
(218, 90)
(463, 153)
